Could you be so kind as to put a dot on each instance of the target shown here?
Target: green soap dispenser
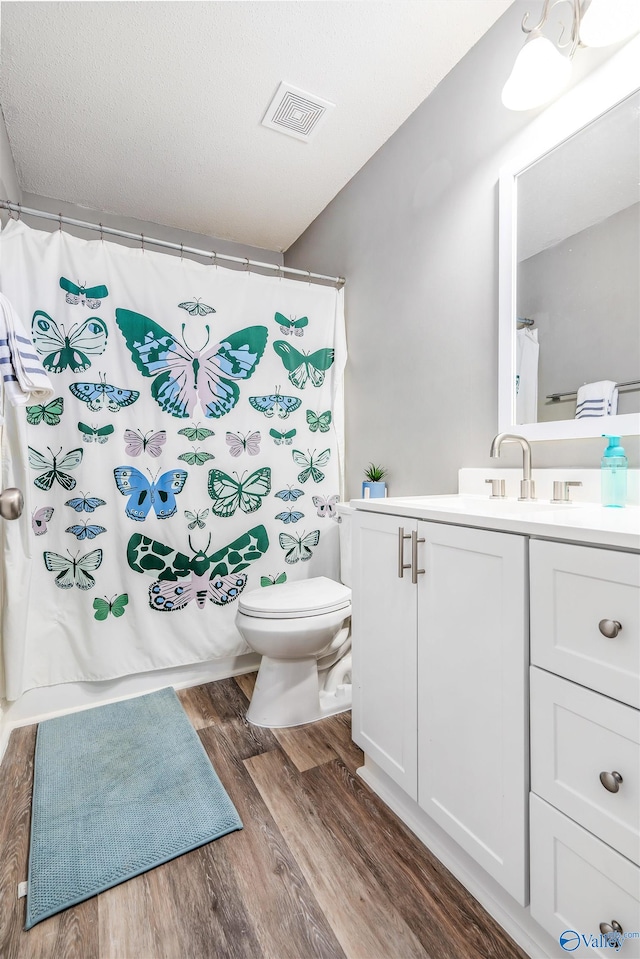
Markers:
(613, 472)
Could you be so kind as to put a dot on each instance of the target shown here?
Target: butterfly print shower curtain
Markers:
(193, 449)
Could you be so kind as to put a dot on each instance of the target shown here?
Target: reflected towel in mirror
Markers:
(597, 399)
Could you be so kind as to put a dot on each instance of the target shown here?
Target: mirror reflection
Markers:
(578, 282)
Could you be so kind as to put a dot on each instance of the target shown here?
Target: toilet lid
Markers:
(305, 597)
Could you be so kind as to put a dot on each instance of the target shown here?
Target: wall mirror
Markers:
(569, 255)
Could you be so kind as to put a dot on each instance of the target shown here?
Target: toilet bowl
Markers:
(301, 629)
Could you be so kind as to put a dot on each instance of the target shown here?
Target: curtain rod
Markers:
(179, 247)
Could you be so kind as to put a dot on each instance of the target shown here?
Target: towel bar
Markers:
(631, 385)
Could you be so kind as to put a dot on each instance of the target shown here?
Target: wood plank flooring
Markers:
(321, 869)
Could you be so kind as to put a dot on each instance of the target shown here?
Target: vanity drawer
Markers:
(576, 735)
(577, 882)
(575, 592)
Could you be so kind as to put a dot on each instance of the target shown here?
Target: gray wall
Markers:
(579, 292)
(415, 232)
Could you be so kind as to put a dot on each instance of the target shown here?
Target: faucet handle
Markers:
(561, 490)
(497, 488)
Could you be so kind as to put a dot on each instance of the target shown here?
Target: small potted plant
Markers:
(373, 487)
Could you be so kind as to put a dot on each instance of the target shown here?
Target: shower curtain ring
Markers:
(101, 234)
(214, 259)
(181, 252)
(59, 222)
(246, 264)
(309, 272)
(142, 242)
(19, 211)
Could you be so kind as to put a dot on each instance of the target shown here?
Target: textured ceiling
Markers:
(154, 109)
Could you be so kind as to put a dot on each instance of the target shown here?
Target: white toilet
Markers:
(302, 630)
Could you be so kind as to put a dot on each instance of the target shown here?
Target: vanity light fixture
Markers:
(543, 66)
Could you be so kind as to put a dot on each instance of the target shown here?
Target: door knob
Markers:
(609, 627)
(11, 503)
(611, 781)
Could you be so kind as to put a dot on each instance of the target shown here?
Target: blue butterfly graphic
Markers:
(289, 495)
(143, 494)
(99, 395)
(183, 377)
(88, 503)
(275, 403)
(85, 531)
(292, 516)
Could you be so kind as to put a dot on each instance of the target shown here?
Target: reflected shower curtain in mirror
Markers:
(193, 449)
(527, 352)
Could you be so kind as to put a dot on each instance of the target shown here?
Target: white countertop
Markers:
(587, 523)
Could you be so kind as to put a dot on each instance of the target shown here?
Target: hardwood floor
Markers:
(321, 869)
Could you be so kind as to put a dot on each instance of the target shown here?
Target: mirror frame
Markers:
(607, 86)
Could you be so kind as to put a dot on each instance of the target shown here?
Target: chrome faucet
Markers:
(527, 485)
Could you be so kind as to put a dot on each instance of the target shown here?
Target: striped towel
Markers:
(23, 375)
(597, 399)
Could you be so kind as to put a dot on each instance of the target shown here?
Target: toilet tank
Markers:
(345, 512)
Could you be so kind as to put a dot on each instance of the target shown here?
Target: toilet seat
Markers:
(296, 600)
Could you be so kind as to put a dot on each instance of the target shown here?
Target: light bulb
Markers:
(609, 21)
(539, 74)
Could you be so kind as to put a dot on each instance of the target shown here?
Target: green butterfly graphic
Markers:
(105, 606)
(49, 414)
(228, 494)
(298, 547)
(95, 434)
(180, 579)
(196, 519)
(61, 350)
(196, 458)
(196, 432)
(304, 367)
(73, 571)
(280, 438)
(273, 580)
(196, 308)
(311, 464)
(321, 422)
(92, 296)
(292, 325)
(54, 468)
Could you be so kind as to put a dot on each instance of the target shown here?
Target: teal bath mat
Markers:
(118, 790)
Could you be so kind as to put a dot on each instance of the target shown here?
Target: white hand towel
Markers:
(597, 399)
(23, 375)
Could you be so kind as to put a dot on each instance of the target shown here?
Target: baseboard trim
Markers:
(515, 919)
(47, 702)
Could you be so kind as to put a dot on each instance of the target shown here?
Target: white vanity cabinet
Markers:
(440, 678)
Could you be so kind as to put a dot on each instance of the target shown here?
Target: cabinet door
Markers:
(472, 695)
(384, 624)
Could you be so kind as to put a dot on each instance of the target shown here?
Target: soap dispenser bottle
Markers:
(613, 473)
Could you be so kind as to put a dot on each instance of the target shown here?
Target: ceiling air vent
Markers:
(296, 112)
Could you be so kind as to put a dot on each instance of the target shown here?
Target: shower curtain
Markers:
(527, 354)
(193, 449)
